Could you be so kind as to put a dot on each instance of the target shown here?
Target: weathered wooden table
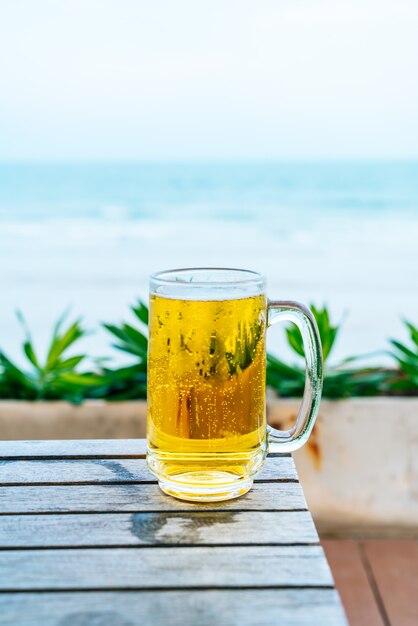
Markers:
(88, 539)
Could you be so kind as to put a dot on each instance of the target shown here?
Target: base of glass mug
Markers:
(206, 486)
(206, 476)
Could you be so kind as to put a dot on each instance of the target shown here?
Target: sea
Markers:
(85, 236)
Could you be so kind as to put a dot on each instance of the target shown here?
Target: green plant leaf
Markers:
(276, 365)
(30, 353)
(84, 379)
(70, 363)
(141, 311)
(124, 383)
(327, 333)
(115, 330)
(60, 343)
(28, 348)
(295, 340)
(407, 361)
(132, 340)
(404, 349)
(413, 331)
(16, 384)
(135, 337)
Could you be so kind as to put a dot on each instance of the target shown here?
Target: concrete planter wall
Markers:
(359, 469)
(94, 419)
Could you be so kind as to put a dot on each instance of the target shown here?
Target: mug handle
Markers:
(299, 314)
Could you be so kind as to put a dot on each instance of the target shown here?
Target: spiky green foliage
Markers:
(343, 380)
(327, 332)
(406, 356)
(58, 375)
(55, 377)
(130, 382)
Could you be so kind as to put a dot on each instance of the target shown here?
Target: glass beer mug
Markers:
(206, 429)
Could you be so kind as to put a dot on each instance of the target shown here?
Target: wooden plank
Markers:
(207, 527)
(164, 568)
(274, 496)
(352, 582)
(74, 448)
(263, 607)
(77, 448)
(394, 567)
(90, 471)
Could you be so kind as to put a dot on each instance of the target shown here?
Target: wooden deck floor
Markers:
(377, 580)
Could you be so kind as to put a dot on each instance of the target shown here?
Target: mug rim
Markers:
(251, 277)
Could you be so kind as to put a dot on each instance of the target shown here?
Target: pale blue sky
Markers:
(167, 79)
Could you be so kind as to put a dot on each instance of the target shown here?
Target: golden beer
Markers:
(206, 429)
(206, 393)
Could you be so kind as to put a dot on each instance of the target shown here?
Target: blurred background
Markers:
(278, 136)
